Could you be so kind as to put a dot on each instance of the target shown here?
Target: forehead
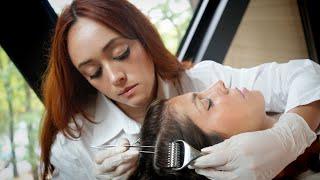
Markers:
(85, 26)
(84, 32)
(179, 99)
(180, 103)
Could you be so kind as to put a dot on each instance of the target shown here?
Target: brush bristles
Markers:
(174, 153)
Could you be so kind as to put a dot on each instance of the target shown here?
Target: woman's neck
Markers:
(135, 113)
(268, 122)
(138, 113)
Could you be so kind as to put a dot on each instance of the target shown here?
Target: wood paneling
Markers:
(271, 30)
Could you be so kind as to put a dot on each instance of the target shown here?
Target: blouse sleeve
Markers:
(66, 165)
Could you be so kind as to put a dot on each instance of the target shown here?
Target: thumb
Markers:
(217, 147)
(214, 174)
(211, 160)
(123, 141)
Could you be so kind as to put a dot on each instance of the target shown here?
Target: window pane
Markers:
(20, 114)
(58, 5)
(171, 17)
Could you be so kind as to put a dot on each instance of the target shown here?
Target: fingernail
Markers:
(191, 167)
(123, 148)
(123, 141)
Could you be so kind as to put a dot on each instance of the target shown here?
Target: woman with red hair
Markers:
(108, 63)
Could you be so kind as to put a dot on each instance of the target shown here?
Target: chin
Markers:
(138, 102)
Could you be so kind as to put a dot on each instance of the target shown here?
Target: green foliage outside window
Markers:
(20, 114)
(171, 18)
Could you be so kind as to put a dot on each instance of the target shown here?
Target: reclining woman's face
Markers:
(222, 110)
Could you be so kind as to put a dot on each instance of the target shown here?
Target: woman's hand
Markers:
(257, 155)
(117, 162)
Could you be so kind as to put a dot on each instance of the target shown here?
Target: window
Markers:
(171, 17)
(20, 114)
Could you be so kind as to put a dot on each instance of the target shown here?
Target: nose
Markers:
(116, 76)
(218, 89)
(222, 87)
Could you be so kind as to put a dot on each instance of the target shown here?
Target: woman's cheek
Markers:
(206, 123)
(220, 125)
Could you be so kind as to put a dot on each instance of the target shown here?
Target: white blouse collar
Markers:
(110, 121)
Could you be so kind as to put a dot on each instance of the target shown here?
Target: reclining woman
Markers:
(201, 119)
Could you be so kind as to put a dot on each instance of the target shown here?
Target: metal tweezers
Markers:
(105, 146)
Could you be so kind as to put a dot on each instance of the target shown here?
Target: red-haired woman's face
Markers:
(221, 110)
(117, 67)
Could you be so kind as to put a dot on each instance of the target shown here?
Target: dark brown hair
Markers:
(63, 84)
(161, 126)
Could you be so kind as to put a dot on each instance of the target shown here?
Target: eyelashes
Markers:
(210, 103)
(96, 74)
(123, 56)
(207, 103)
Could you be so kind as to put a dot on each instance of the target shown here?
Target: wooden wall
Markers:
(271, 30)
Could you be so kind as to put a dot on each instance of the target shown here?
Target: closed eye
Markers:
(210, 103)
(124, 55)
(206, 103)
(96, 74)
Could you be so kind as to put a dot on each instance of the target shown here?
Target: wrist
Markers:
(269, 122)
(297, 132)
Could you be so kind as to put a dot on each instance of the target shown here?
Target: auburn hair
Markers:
(66, 92)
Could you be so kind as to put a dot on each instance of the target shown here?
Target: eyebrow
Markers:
(103, 49)
(194, 96)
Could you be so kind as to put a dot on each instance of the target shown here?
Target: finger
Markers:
(103, 176)
(122, 169)
(112, 163)
(225, 167)
(126, 175)
(125, 167)
(211, 160)
(103, 154)
(217, 147)
(123, 141)
(214, 174)
(106, 153)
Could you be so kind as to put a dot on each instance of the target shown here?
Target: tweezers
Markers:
(105, 146)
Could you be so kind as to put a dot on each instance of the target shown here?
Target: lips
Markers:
(241, 92)
(127, 89)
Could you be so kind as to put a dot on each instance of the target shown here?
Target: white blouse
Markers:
(284, 86)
